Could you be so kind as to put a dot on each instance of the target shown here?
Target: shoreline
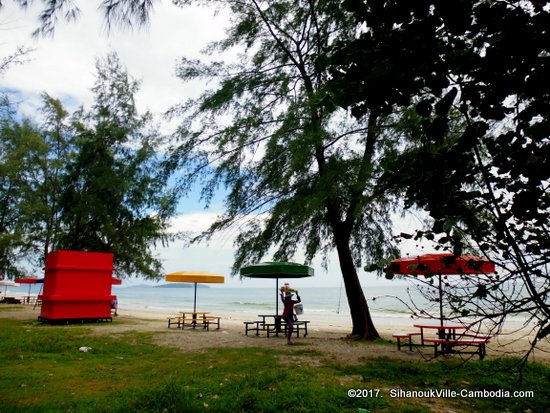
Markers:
(330, 339)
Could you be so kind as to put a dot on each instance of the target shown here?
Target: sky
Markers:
(64, 67)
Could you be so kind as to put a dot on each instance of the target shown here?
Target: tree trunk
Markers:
(363, 327)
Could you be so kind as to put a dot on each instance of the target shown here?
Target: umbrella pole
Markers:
(39, 293)
(195, 300)
(276, 296)
(441, 331)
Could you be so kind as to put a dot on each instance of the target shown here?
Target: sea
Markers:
(254, 300)
(322, 306)
(319, 302)
(390, 305)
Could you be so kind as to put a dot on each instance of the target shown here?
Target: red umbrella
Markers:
(440, 264)
(432, 264)
(30, 280)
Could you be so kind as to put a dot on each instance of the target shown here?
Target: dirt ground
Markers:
(331, 344)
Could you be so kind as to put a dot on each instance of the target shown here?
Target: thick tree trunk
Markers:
(363, 327)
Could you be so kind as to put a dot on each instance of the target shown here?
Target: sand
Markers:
(329, 341)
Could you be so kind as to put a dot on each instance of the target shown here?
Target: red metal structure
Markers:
(77, 286)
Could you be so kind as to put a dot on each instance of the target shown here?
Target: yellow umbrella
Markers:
(195, 277)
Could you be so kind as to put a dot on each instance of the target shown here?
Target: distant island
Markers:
(181, 285)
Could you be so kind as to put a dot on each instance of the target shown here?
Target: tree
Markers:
(21, 149)
(115, 197)
(89, 181)
(484, 179)
(57, 133)
(299, 174)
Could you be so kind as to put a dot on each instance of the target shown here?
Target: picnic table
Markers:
(447, 331)
(11, 300)
(273, 324)
(194, 319)
(450, 339)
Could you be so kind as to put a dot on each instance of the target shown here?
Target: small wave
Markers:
(251, 304)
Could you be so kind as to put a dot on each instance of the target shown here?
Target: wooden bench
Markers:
(403, 335)
(269, 328)
(273, 328)
(476, 336)
(445, 346)
(206, 321)
(248, 327)
(282, 328)
(303, 325)
(11, 300)
(174, 320)
(203, 322)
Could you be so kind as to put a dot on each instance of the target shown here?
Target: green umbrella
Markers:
(277, 270)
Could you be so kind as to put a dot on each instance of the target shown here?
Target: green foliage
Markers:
(262, 133)
(469, 77)
(115, 199)
(22, 149)
(92, 181)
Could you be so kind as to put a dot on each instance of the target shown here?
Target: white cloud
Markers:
(217, 254)
(64, 65)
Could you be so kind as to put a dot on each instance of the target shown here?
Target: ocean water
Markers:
(389, 305)
(250, 302)
(387, 299)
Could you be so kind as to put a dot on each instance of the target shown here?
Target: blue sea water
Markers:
(325, 303)
(255, 300)
(389, 304)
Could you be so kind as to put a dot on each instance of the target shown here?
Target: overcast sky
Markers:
(64, 67)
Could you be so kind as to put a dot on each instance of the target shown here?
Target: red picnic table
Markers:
(453, 338)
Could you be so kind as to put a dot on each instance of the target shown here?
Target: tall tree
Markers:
(116, 197)
(92, 181)
(485, 182)
(19, 144)
(57, 132)
(300, 173)
(21, 148)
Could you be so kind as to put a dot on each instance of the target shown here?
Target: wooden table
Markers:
(277, 326)
(277, 321)
(195, 316)
(265, 316)
(451, 336)
(445, 331)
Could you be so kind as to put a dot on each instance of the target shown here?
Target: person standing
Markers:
(288, 310)
(114, 306)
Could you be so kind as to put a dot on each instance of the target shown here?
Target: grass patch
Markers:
(44, 371)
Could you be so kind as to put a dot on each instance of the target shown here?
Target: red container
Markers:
(77, 285)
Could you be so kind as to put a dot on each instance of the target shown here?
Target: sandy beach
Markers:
(329, 340)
